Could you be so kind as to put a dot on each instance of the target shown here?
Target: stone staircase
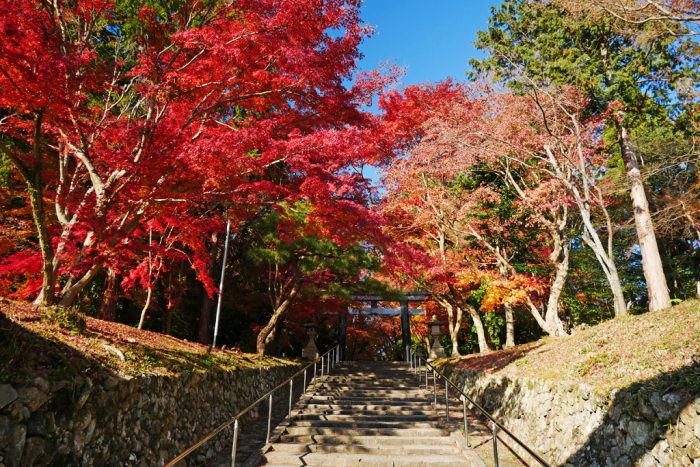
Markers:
(367, 413)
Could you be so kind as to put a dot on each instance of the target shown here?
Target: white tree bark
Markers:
(510, 325)
(561, 265)
(657, 287)
(583, 199)
(454, 322)
(479, 325)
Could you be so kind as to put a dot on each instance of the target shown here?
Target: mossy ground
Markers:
(613, 355)
(36, 342)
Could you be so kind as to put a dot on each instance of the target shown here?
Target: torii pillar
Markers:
(405, 329)
(342, 331)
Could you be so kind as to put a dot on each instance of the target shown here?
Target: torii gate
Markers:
(404, 311)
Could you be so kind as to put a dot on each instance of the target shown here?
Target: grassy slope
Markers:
(611, 355)
(32, 345)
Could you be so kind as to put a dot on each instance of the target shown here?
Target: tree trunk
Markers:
(453, 325)
(108, 308)
(35, 187)
(618, 295)
(553, 324)
(657, 288)
(480, 332)
(607, 263)
(168, 323)
(584, 201)
(142, 319)
(510, 325)
(205, 319)
(69, 296)
(207, 302)
(267, 333)
(47, 294)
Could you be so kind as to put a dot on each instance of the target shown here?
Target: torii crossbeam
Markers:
(403, 310)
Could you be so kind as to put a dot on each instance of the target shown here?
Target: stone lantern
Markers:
(436, 351)
(310, 351)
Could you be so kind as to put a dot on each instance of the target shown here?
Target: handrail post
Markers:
(434, 390)
(314, 368)
(269, 419)
(447, 402)
(494, 428)
(291, 389)
(303, 384)
(322, 357)
(426, 377)
(466, 425)
(235, 443)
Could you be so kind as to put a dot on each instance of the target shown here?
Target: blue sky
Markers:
(430, 39)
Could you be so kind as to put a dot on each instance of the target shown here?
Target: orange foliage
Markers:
(501, 292)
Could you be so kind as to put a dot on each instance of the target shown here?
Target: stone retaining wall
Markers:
(649, 424)
(141, 421)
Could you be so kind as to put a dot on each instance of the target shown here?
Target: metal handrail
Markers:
(415, 362)
(328, 361)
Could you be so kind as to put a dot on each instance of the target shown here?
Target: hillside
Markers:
(663, 346)
(55, 345)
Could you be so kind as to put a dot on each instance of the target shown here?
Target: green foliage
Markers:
(599, 56)
(283, 241)
(67, 318)
(495, 325)
(469, 342)
(477, 295)
(5, 171)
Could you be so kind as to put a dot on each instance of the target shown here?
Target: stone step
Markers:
(366, 440)
(372, 392)
(348, 431)
(364, 387)
(330, 383)
(386, 450)
(372, 414)
(360, 424)
(419, 404)
(397, 411)
(362, 406)
(354, 459)
(369, 417)
(316, 398)
(376, 376)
